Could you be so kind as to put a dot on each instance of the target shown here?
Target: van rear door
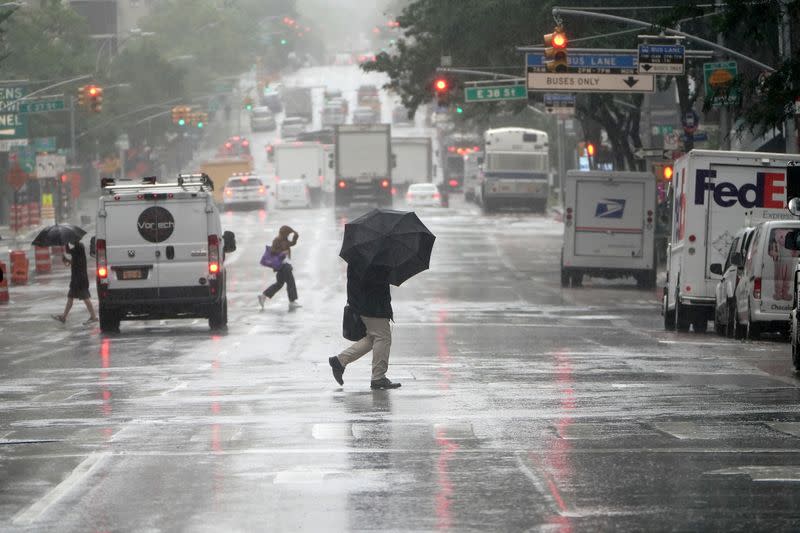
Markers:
(777, 271)
(183, 260)
(131, 256)
(609, 218)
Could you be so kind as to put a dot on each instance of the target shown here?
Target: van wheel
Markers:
(681, 316)
(217, 319)
(669, 316)
(109, 320)
(719, 326)
(577, 278)
(739, 330)
(795, 354)
(753, 330)
(730, 325)
(565, 277)
(700, 325)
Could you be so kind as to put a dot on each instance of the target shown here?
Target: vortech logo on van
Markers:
(155, 224)
(769, 190)
(610, 208)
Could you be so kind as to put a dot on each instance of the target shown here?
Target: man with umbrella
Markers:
(382, 247)
(70, 236)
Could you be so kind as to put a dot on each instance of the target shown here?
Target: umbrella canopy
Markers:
(58, 235)
(393, 241)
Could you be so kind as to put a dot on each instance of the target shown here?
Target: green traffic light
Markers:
(459, 109)
(181, 122)
(283, 42)
(200, 125)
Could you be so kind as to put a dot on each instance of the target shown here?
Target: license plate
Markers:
(131, 274)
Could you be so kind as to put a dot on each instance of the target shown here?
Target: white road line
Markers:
(81, 473)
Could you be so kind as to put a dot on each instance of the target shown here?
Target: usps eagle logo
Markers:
(610, 208)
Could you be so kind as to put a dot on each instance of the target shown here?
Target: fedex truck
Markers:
(714, 191)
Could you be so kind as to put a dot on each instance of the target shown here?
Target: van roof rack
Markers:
(201, 181)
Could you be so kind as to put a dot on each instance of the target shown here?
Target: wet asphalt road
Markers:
(523, 406)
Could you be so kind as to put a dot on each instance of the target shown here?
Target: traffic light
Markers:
(176, 114)
(442, 88)
(590, 149)
(663, 171)
(94, 97)
(82, 96)
(284, 42)
(459, 109)
(248, 103)
(555, 51)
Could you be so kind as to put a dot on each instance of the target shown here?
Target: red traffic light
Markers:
(590, 149)
(667, 173)
(559, 40)
(441, 85)
(92, 90)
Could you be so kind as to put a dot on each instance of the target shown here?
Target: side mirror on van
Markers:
(93, 246)
(794, 206)
(229, 242)
(737, 259)
(792, 238)
(716, 268)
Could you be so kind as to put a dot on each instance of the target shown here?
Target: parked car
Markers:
(764, 294)
(731, 271)
(292, 127)
(243, 190)
(365, 115)
(423, 195)
(262, 119)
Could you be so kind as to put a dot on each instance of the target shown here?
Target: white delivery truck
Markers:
(303, 161)
(713, 192)
(413, 157)
(363, 164)
(161, 252)
(516, 169)
(609, 226)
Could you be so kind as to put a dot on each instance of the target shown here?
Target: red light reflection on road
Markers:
(105, 391)
(444, 496)
(262, 215)
(443, 351)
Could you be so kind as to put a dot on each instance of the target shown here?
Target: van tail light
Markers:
(437, 196)
(102, 260)
(409, 196)
(262, 190)
(321, 180)
(342, 184)
(453, 183)
(385, 184)
(228, 192)
(757, 288)
(213, 255)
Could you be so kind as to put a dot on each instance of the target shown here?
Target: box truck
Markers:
(609, 226)
(363, 162)
(302, 161)
(713, 193)
(413, 158)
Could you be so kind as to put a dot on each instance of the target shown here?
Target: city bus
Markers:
(516, 169)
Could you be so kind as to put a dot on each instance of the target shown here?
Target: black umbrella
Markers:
(58, 235)
(383, 239)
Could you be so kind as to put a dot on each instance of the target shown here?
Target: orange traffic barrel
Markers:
(42, 260)
(19, 267)
(4, 284)
(34, 216)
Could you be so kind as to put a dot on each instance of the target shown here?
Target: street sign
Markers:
(24, 156)
(610, 63)
(698, 137)
(44, 144)
(672, 141)
(662, 129)
(690, 121)
(50, 165)
(719, 78)
(591, 83)
(656, 153)
(495, 93)
(560, 104)
(12, 124)
(661, 59)
(42, 105)
(7, 144)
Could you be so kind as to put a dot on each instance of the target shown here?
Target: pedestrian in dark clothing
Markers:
(282, 245)
(368, 294)
(78, 282)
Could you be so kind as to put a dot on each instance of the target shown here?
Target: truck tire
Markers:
(565, 275)
(719, 325)
(739, 330)
(682, 320)
(700, 324)
(218, 315)
(795, 346)
(669, 316)
(730, 325)
(109, 320)
(753, 329)
(577, 278)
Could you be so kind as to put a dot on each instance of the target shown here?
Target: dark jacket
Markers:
(369, 294)
(79, 279)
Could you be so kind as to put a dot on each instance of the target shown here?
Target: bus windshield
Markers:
(517, 162)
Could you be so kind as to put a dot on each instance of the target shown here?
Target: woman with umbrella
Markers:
(70, 236)
(382, 247)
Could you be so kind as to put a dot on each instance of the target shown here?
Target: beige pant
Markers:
(379, 340)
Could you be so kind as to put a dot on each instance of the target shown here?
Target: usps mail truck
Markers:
(714, 192)
(609, 227)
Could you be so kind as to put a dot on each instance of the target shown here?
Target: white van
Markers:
(765, 291)
(713, 191)
(292, 193)
(609, 228)
(161, 252)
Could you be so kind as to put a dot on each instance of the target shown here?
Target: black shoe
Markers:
(338, 369)
(383, 384)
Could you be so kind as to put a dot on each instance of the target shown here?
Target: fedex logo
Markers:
(769, 190)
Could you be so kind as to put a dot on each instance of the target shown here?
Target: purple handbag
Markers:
(273, 261)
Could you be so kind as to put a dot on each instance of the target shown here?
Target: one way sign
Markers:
(50, 166)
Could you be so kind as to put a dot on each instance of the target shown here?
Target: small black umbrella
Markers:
(396, 241)
(58, 235)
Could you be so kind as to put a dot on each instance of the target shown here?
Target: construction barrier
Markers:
(48, 215)
(19, 267)
(34, 217)
(42, 260)
(4, 284)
